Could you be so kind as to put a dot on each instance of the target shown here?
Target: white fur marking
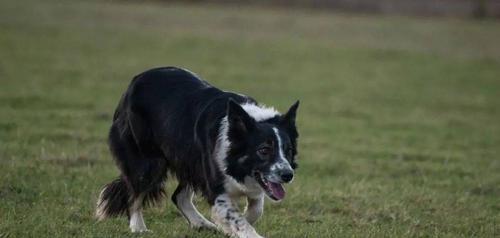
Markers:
(250, 187)
(222, 145)
(136, 220)
(220, 154)
(254, 209)
(101, 204)
(227, 217)
(282, 163)
(186, 206)
(259, 112)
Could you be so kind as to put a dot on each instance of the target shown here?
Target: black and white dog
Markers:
(221, 144)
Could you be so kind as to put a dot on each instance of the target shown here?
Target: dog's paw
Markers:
(204, 226)
(246, 235)
(255, 236)
(140, 230)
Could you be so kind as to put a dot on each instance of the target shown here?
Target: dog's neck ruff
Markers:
(222, 145)
(221, 149)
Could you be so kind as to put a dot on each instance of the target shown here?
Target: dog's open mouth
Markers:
(273, 190)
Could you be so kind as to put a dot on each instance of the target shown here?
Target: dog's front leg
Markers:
(255, 208)
(226, 216)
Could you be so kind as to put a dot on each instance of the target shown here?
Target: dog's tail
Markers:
(113, 200)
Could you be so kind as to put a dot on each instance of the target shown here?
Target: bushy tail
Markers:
(113, 200)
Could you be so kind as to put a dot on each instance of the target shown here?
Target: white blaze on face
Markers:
(282, 163)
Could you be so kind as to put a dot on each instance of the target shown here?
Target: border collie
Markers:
(223, 145)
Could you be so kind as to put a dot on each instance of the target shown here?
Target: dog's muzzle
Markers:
(272, 184)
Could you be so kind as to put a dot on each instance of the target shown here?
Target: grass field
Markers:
(399, 121)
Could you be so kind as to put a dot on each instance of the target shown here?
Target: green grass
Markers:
(399, 121)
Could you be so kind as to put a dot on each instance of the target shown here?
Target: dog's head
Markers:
(262, 149)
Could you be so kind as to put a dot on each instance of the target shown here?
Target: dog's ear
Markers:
(288, 120)
(238, 119)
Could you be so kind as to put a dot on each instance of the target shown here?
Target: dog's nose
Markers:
(287, 176)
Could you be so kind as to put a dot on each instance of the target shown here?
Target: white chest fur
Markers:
(249, 188)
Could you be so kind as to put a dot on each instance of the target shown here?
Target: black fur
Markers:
(115, 198)
(169, 120)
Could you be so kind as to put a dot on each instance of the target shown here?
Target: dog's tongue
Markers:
(277, 190)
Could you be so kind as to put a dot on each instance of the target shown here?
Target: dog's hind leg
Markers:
(143, 174)
(148, 184)
(183, 199)
(136, 222)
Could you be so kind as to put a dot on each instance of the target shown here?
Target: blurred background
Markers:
(463, 8)
(399, 132)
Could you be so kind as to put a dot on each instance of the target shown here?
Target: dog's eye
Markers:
(265, 151)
